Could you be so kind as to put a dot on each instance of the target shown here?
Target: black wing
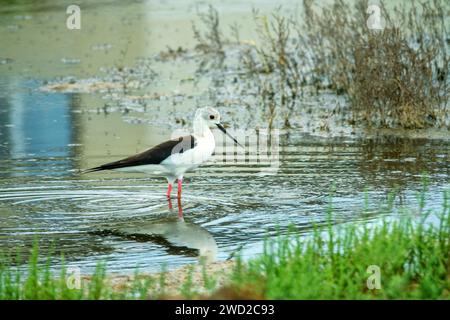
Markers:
(155, 155)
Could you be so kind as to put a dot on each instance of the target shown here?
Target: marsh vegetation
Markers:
(392, 76)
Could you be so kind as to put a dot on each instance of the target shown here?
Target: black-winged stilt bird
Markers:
(172, 158)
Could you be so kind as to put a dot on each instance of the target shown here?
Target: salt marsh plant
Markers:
(210, 41)
(396, 76)
(278, 59)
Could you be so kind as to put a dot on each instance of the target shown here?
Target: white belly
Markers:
(179, 163)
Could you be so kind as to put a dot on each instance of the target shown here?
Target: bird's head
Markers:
(211, 117)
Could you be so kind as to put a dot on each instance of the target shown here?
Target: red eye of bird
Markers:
(211, 117)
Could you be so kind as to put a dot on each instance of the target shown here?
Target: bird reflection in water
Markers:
(174, 234)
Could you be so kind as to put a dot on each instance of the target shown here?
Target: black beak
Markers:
(225, 131)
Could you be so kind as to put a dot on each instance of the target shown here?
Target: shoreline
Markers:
(193, 275)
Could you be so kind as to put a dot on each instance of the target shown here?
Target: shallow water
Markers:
(125, 220)
(226, 206)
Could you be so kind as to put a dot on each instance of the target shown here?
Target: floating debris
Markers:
(153, 96)
(25, 17)
(70, 61)
(13, 27)
(80, 86)
(171, 54)
(102, 47)
(6, 60)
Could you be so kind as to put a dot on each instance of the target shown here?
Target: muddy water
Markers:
(125, 220)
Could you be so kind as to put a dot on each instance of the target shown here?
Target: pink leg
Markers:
(169, 190)
(180, 181)
(180, 209)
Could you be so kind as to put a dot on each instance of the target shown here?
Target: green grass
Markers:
(39, 283)
(334, 262)
(413, 258)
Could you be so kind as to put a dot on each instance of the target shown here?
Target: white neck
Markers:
(201, 128)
